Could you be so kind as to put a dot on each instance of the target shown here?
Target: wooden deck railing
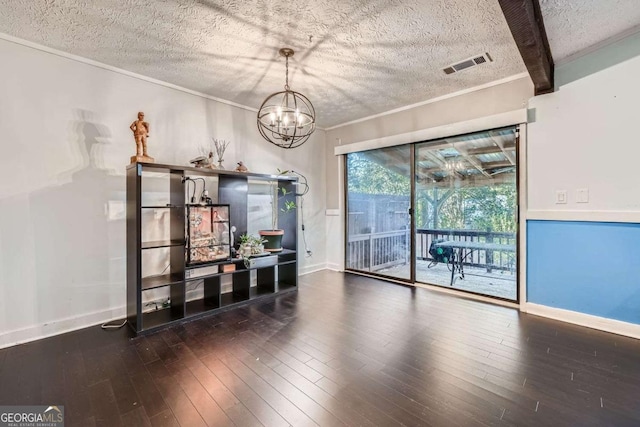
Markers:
(489, 259)
(375, 251)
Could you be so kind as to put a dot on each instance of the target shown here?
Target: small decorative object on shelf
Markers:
(226, 268)
(241, 167)
(203, 161)
(140, 130)
(233, 230)
(251, 245)
(221, 147)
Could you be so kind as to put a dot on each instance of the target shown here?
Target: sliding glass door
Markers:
(466, 203)
(463, 193)
(378, 202)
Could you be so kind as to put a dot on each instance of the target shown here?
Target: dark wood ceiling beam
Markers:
(527, 27)
(468, 180)
(486, 166)
(495, 165)
(484, 150)
(510, 146)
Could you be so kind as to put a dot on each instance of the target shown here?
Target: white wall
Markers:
(585, 136)
(64, 145)
(483, 102)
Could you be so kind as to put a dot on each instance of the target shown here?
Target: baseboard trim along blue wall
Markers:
(587, 267)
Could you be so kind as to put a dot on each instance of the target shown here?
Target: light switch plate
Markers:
(561, 197)
(582, 195)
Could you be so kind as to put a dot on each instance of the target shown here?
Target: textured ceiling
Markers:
(354, 58)
(573, 26)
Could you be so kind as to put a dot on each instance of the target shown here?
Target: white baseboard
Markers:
(311, 269)
(334, 267)
(594, 322)
(69, 324)
(36, 332)
(45, 330)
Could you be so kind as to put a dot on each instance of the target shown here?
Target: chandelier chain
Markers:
(286, 84)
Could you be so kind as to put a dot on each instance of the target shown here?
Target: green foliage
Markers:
(490, 207)
(276, 193)
(365, 176)
(251, 240)
(484, 208)
(289, 205)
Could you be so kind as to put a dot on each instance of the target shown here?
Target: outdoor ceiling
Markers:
(354, 58)
(471, 160)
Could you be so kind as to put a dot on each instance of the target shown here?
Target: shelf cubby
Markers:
(156, 318)
(164, 214)
(153, 282)
(161, 244)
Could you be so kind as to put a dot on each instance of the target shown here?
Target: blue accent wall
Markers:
(588, 267)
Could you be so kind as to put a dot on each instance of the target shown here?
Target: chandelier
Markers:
(286, 118)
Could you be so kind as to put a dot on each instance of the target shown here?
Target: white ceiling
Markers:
(354, 58)
(573, 26)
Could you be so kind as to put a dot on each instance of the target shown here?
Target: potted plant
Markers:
(251, 245)
(245, 245)
(273, 237)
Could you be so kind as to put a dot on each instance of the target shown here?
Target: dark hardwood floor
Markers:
(343, 350)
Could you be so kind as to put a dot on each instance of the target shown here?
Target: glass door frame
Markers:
(412, 265)
(412, 250)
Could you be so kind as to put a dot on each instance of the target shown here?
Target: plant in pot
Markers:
(273, 236)
(251, 245)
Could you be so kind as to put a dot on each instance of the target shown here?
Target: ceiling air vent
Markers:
(467, 63)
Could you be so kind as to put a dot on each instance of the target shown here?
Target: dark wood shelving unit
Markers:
(158, 318)
(153, 282)
(279, 276)
(161, 244)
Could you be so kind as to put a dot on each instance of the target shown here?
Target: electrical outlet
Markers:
(561, 197)
(582, 195)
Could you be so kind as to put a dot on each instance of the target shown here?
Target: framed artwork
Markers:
(208, 234)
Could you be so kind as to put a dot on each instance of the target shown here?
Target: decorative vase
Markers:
(220, 165)
(273, 240)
